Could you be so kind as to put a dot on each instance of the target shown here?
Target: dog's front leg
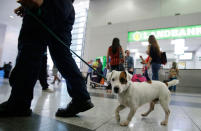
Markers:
(130, 116)
(118, 109)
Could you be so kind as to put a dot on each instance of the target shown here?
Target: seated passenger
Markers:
(174, 72)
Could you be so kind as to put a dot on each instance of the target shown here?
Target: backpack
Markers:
(163, 58)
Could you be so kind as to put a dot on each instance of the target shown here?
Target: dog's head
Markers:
(119, 80)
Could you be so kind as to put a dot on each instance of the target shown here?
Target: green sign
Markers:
(166, 33)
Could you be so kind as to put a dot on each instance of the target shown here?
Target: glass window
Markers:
(79, 27)
(76, 47)
(78, 30)
(80, 19)
(77, 41)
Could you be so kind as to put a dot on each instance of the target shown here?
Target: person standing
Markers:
(7, 69)
(116, 56)
(129, 62)
(155, 54)
(59, 16)
(99, 69)
(55, 74)
(89, 72)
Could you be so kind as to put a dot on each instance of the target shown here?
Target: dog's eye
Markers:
(113, 79)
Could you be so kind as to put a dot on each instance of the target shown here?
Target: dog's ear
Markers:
(109, 76)
(123, 77)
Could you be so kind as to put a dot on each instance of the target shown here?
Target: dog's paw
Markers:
(124, 123)
(164, 123)
(144, 114)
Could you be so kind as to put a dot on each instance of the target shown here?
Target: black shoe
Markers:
(74, 108)
(7, 110)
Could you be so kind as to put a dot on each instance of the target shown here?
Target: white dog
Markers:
(134, 94)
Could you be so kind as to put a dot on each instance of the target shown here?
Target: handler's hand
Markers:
(19, 11)
(31, 3)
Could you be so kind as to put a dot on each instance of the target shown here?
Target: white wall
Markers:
(131, 15)
(118, 11)
(99, 38)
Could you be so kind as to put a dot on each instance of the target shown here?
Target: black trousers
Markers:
(43, 73)
(27, 69)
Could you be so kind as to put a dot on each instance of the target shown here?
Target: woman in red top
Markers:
(116, 56)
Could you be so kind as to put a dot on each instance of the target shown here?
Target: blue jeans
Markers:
(172, 87)
(155, 69)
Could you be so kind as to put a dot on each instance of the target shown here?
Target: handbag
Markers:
(138, 78)
(163, 58)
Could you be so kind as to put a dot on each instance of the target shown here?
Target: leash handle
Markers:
(57, 38)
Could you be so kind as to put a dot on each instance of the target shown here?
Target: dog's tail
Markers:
(172, 83)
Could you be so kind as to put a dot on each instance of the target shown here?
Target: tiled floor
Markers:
(185, 113)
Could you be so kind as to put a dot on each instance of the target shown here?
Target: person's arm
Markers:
(150, 53)
(31, 3)
(149, 62)
(143, 61)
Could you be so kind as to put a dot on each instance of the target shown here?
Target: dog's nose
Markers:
(116, 89)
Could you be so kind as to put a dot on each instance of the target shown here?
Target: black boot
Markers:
(74, 108)
(8, 110)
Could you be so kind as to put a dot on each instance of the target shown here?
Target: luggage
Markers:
(163, 58)
(138, 78)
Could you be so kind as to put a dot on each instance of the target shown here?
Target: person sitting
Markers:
(174, 72)
(99, 69)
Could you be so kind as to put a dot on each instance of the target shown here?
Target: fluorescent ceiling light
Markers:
(179, 45)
